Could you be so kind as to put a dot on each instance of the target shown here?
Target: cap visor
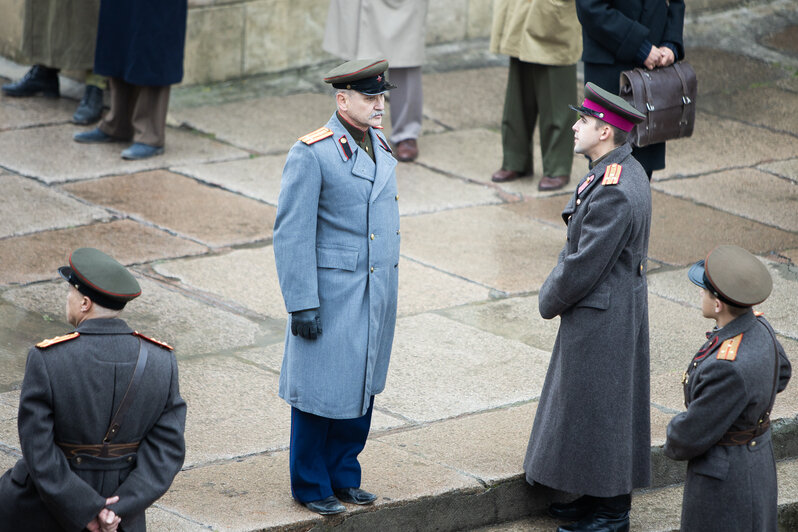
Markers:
(696, 274)
(65, 272)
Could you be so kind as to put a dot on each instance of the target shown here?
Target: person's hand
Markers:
(653, 59)
(306, 323)
(667, 58)
(106, 520)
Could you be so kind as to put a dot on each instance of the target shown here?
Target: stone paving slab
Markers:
(169, 315)
(422, 289)
(779, 308)
(739, 145)
(482, 371)
(480, 106)
(255, 177)
(265, 125)
(19, 113)
(683, 232)
(158, 519)
(233, 410)
(749, 193)
(768, 107)
(254, 493)
(422, 190)
(182, 205)
(785, 169)
(38, 256)
(29, 207)
(720, 72)
(69, 161)
(505, 262)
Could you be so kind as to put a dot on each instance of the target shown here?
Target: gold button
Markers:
(397, 197)
(397, 231)
(372, 269)
(78, 460)
(129, 458)
(372, 236)
(753, 444)
(578, 201)
(569, 217)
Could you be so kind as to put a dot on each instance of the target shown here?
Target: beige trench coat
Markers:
(60, 33)
(545, 32)
(392, 29)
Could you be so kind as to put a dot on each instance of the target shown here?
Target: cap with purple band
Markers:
(609, 108)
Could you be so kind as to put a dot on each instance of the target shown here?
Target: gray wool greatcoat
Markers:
(591, 433)
(336, 247)
(69, 395)
(729, 487)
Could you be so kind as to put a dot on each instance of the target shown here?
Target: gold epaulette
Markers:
(612, 174)
(315, 136)
(57, 340)
(757, 313)
(156, 342)
(728, 349)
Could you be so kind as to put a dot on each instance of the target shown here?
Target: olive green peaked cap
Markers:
(362, 75)
(100, 278)
(733, 275)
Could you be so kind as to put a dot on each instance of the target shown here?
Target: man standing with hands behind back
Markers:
(336, 247)
(591, 434)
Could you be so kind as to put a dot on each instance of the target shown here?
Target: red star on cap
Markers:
(379, 78)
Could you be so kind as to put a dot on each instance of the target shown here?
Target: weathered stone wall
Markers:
(229, 39)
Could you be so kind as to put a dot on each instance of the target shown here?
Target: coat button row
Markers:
(372, 269)
(372, 236)
(578, 201)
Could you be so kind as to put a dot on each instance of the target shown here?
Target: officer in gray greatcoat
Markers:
(591, 434)
(729, 390)
(101, 419)
(336, 247)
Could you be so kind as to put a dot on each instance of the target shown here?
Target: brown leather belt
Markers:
(102, 450)
(743, 437)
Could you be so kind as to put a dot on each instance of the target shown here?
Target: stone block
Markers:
(769, 107)
(158, 519)
(785, 169)
(480, 18)
(422, 190)
(282, 34)
(255, 177)
(19, 113)
(29, 207)
(447, 21)
(181, 205)
(11, 25)
(214, 43)
(720, 73)
(482, 371)
(480, 91)
(423, 289)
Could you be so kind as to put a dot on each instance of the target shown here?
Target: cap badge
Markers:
(379, 78)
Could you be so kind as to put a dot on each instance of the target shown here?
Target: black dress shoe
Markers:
(355, 496)
(328, 506)
(600, 521)
(90, 107)
(574, 510)
(38, 79)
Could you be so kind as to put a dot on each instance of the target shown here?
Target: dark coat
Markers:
(729, 487)
(613, 32)
(591, 433)
(69, 395)
(336, 248)
(142, 41)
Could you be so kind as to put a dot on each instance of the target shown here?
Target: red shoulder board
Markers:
(315, 136)
(728, 349)
(57, 340)
(156, 342)
(612, 174)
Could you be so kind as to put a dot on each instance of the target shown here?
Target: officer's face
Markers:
(363, 110)
(587, 134)
(73, 302)
(708, 302)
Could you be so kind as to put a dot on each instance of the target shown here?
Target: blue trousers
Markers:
(323, 453)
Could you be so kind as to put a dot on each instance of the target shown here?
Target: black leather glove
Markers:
(306, 323)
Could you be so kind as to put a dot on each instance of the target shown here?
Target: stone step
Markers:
(659, 510)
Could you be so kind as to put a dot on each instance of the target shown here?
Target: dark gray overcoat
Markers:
(591, 433)
(729, 487)
(69, 395)
(336, 248)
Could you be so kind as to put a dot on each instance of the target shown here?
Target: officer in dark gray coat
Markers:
(729, 390)
(78, 471)
(591, 434)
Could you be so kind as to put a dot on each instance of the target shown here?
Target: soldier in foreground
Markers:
(729, 390)
(78, 471)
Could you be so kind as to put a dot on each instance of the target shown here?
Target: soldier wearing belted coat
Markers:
(591, 434)
(336, 247)
(101, 419)
(729, 389)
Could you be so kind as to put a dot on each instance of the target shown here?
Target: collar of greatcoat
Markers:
(380, 171)
(615, 156)
(104, 326)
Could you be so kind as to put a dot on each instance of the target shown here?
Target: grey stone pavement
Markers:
(470, 355)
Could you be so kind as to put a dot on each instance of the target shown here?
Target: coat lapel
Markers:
(385, 164)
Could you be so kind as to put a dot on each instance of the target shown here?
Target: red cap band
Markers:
(611, 118)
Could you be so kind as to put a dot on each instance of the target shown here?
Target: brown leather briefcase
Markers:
(666, 96)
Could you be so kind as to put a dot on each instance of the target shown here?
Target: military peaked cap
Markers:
(733, 275)
(363, 75)
(608, 107)
(100, 278)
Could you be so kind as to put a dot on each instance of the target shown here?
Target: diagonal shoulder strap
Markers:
(127, 400)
